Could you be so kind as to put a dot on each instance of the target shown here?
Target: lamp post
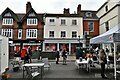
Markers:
(79, 40)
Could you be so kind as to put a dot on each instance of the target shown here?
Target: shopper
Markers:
(103, 61)
(57, 57)
(64, 55)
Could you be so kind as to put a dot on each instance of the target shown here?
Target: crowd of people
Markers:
(101, 54)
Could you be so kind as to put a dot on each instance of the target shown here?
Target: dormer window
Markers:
(31, 14)
(88, 14)
(8, 14)
(32, 21)
(7, 21)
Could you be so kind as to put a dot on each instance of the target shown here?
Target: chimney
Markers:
(79, 9)
(28, 6)
(66, 11)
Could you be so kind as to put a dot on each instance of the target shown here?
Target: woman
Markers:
(64, 55)
(103, 61)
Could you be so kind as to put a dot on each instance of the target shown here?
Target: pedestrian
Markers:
(57, 57)
(103, 61)
(29, 53)
(26, 59)
(64, 55)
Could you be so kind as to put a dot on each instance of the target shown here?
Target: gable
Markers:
(9, 13)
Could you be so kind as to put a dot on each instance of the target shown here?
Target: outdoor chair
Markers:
(30, 74)
(47, 64)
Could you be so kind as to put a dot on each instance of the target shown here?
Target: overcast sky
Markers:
(50, 6)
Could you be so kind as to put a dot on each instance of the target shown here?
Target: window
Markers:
(51, 34)
(63, 22)
(107, 26)
(52, 20)
(32, 21)
(8, 14)
(31, 33)
(63, 34)
(19, 33)
(74, 34)
(91, 26)
(106, 8)
(7, 21)
(31, 14)
(74, 22)
(88, 14)
(7, 32)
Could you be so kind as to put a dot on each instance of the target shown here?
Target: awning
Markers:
(108, 37)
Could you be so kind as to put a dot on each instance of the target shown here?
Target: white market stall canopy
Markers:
(4, 53)
(112, 35)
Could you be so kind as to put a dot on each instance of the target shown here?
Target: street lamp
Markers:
(79, 40)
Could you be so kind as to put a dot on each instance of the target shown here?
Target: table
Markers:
(39, 65)
(82, 64)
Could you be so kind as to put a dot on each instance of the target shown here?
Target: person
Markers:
(64, 55)
(29, 53)
(102, 60)
(57, 57)
(81, 53)
(26, 59)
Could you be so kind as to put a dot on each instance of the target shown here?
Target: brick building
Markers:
(23, 30)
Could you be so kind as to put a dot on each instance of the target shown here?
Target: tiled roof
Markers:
(21, 16)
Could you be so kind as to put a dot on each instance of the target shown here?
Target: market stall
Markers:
(111, 36)
(4, 49)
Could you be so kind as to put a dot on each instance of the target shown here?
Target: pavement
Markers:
(67, 72)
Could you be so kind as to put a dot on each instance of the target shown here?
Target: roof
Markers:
(61, 15)
(12, 13)
(83, 12)
(94, 16)
(19, 17)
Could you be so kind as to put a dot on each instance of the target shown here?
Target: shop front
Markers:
(60, 44)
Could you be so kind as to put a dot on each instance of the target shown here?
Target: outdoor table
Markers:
(39, 65)
(82, 64)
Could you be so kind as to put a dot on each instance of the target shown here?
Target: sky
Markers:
(50, 6)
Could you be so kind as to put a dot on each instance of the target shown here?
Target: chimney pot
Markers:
(28, 6)
(79, 9)
(66, 11)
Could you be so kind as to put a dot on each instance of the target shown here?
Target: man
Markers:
(103, 61)
(57, 57)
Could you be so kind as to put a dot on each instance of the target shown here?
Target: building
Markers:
(23, 29)
(109, 17)
(90, 24)
(62, 31)
(49, 31)
(68, 30)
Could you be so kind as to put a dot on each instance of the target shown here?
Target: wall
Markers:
(57, 27)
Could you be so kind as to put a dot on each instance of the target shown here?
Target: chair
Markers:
(47, 64)
(31, 74)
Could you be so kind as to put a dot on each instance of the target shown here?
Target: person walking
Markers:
(103, 61)
(64, 55)
(29, 52)
(57, 57)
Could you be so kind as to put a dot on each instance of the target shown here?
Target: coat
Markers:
(102, 57)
